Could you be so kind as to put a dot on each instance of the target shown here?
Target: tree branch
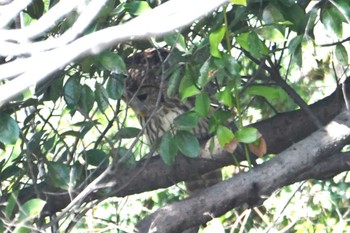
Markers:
(280, 132)
(10, 10)
(156, 22)
(254, 185)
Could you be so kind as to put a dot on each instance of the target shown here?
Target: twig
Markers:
(158, 21)
(292, 93)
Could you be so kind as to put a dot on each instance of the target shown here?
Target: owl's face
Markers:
(143, 84)
(143, 100)
(142, 89)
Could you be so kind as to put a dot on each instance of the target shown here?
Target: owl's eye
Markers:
(142, 97)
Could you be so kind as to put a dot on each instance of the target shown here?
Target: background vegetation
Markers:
(69, 141)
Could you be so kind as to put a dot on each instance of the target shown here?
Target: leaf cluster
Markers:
(240, 64)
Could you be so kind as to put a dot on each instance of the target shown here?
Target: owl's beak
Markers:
(139, 108)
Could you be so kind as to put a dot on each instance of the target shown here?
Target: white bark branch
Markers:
(9, 11)
(163, 19)
(46, 22)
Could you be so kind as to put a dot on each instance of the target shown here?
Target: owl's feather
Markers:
(156, 111)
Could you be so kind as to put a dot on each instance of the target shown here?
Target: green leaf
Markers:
(271, 93)
(311, 16)
(215, 39)
(113, 62)
(55, 90)
(168, 148)
(72, 91)
(202, 104)
(187, 143)
(272, 34)
(49, 143)
(232, 67)
(137, 7)
(271, 14)
(9, 171)
(239, 2)
(11, 203)
(128, 132)
(9, 130)
(115, 86)
(77, 171)
(225, 135)
(68, 22)
(86, 64)
(87, 100)
(219, 117)
(206, 72)
(251, 42)
(126, 156)
(106, 11)
(341, 55)
(96, 157)
(294, 48)
(343, 7)
(186, 121)
(36, 9)
(298, 56)
(247, 135)
(31, 209)
(36, 140)
(332, 19)
(72, 133)
(176, 40)
(225, 97)
(187, 86)
(58, 174)
(256, 47)
(242, 40)
(174, 82)
(119, 9)
(85, 127)
(101, 96)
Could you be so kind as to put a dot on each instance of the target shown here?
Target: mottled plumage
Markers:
(146, 95)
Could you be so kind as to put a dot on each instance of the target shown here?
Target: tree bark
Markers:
(252, 187)
(280, 132)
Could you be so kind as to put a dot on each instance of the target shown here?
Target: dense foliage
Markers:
(253, 59)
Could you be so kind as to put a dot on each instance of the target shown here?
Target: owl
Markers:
(145, 93)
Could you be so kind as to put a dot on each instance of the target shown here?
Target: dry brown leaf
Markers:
(259, 147)
(231, 146)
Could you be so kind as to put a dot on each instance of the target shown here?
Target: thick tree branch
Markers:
(287, 128)
(254, 185)
(327, 168)
(279, 132)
